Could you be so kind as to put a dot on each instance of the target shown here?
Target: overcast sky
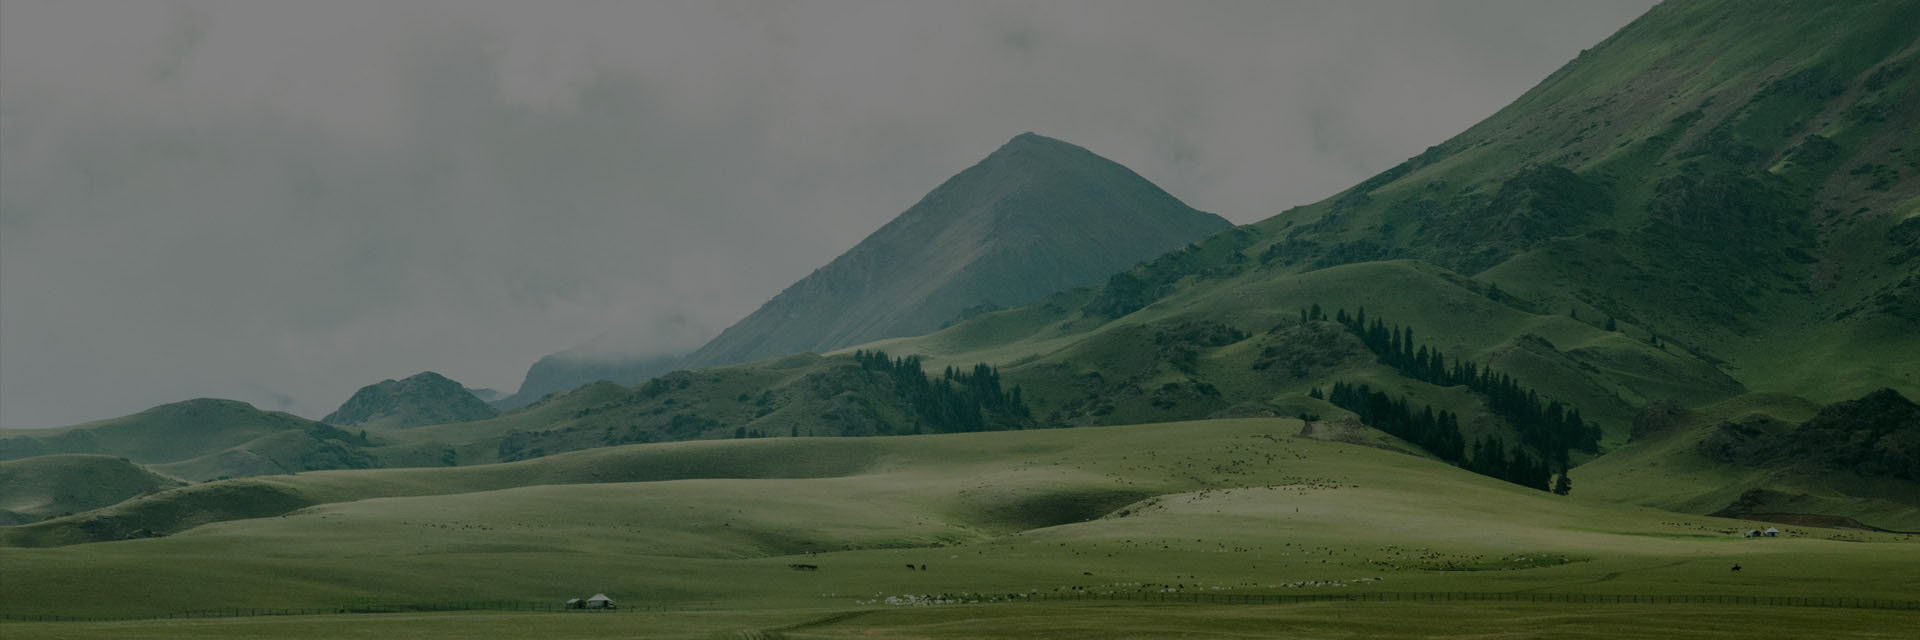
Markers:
(280, 202)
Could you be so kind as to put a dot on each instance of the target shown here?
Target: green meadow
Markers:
(707, 531)
(1328, 620)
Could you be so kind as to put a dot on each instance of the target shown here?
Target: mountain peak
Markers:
(1031, 139)
(1043, 152)
(1036, 216)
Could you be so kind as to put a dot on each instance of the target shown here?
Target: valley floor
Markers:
(710, 532)
(1328, 620)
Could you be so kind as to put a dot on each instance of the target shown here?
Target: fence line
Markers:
(1832, 602)
(1475, 596)
(365, 607)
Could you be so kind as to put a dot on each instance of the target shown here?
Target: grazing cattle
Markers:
(909, 566)
(1736, 567)
(802, 567)
(923, 567)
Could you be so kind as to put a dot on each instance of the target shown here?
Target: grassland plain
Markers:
(1052, 621)
(1246, 507)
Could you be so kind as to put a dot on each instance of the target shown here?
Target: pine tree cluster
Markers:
(1437, 432)
(957, 401)
(1548, 426)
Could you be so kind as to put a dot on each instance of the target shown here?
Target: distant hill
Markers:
(165, 433)
(38, 488)
(206, 439)
(488, 395)
(1035, 217)
(573, 369)
(419, 400)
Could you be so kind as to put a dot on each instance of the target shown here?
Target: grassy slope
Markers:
(42, 487)
(1664, 470)
(1219, 506)
(166, 433)
(1605, 374)
(206, 439)
(1723, 285)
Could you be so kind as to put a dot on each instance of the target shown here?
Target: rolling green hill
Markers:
(799, 395)
(207, 439)
(166, 433)
(419, 400)
(38, 488)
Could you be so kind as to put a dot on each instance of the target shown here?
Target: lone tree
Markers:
(1563, 486)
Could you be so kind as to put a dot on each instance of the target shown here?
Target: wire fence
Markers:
(1834, 602)
(1478, 596)
(367, 608)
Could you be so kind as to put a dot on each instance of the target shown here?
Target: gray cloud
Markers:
(280, 202)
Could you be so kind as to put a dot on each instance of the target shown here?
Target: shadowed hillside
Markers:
(43, 487)
(419, 400)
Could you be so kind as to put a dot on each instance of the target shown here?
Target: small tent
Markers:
(576, 603)
(1771, 532)
(600, 601)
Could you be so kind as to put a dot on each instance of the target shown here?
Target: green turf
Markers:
(1330, 620)
(1231, 506)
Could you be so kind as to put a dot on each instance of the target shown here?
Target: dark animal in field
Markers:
(802, 567)
(1736, 567)
(909, 566)
(923, 567)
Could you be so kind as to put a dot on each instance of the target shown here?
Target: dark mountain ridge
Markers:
(206, 438)
(419, 400)
(573, 369)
